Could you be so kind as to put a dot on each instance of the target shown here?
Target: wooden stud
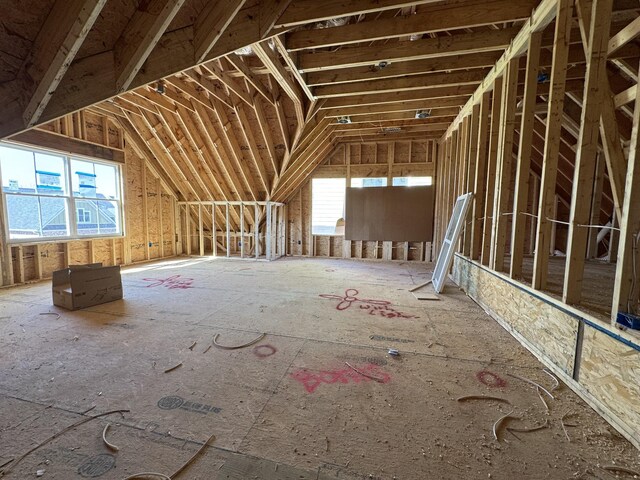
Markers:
(480, 177)
(57, 43)
(492, 166)
(504, 167)
(521, 192)
(140, 36)
(587, 150)
(552, 142)
(627, 286)
(596, 203)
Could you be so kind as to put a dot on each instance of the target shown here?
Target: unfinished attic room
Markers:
(320, 240)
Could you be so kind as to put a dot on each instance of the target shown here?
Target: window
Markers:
(412, 181)
(48, 195)
(369, 182)
(84, 216)
(327, 204)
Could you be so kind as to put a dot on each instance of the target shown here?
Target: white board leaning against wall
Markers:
(445, 258)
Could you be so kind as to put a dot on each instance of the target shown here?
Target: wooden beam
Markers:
(624, 36)
(426, 93)
(265, 129)
(245, 126)
(291, 64)
(435, 105)
(586, 155)
(552, 143)
(140, 37)
(523, 168)
(413, 82)
(480, 177)
(430, 19)
(306, 11)
(492, 171)
(142, 148)
(211, 24)
(238, 62)
(57, 43)
(65, 144)
(460, 44)
(214, 69)
(272, 62)
(504, 167)
(414, 67)
(626, 285)
(233, 148)
(542, 16)
(205, 121)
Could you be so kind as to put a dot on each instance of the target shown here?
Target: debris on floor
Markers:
(235, 347)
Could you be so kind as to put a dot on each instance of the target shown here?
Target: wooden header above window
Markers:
(67, 145)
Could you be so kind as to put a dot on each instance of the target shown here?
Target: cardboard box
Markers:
(82, 286)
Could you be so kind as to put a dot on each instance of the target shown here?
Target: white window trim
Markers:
(71, 207)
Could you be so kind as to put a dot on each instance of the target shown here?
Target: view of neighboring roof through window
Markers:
(43, 189)
(368, 182)
(412, 181)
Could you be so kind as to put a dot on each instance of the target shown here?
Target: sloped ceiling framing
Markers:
(221, 121)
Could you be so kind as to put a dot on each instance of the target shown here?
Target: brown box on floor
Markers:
(82, 286)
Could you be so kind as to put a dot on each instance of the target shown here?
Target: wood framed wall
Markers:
(149, 224)
(384, 158)
(552, 164)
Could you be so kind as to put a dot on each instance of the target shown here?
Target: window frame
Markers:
(344, 179)
(386, 182)
(412, 176)
(68, 197)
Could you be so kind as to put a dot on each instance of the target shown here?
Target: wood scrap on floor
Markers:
(418, 287)
(171, 369)
(426, 296)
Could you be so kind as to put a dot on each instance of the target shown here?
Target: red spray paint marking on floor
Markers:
(312, 380)
(381, 308)
(491, 379)
(176, 281)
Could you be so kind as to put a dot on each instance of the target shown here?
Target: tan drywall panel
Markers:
(389, 213)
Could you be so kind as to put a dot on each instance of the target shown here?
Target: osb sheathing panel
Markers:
(306, 219)
(382, 152)
(368, 153)
(552, 332)
(102, 252)
(336, 246)
(51, 258)
(79, 253)
(355, 154)
(153, 215)
(418, 152)
(295, 246)
(402, 152)
(167, 222)
(134, 205)
(29, 260)
(610, 371)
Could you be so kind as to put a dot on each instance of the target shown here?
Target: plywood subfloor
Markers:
(287, 407)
